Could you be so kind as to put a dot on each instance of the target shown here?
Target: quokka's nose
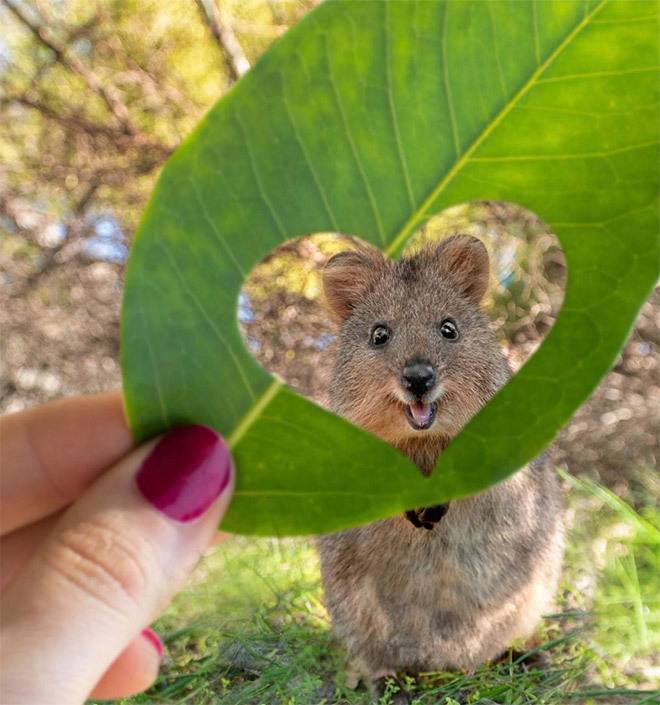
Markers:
(418, 377)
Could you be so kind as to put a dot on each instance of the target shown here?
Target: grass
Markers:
(250, 629)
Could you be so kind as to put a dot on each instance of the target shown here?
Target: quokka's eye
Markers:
(380, 335)
(449, 329)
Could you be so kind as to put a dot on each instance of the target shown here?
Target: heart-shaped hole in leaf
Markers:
(367, 118)
(286, 325)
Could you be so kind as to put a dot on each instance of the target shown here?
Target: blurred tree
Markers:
(94, 96)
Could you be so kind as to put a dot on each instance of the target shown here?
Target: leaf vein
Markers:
(257, 177)
(198, 304)
(564, 157)
(351, 142)
(404, 232)
(537, 40)
(447, 83)
(598, 74)
(392, 107)
(498, 63)
(216, 232)
(310, 164)
(154, 367)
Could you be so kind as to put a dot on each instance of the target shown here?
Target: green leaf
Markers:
(367, 118)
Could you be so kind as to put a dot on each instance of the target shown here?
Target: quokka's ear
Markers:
(463, 259)
(347, 277)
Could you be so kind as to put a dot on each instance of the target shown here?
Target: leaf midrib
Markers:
(253, 413)
(404, 232)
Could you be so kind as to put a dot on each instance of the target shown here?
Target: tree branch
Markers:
(91, 128)
(219, 23)
(72, 121)
(109, 96)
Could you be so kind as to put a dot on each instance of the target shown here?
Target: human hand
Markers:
(96, 539)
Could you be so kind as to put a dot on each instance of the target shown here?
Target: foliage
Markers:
(410, 132)
(625, 550)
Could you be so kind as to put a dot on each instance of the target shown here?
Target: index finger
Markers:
(51, 453)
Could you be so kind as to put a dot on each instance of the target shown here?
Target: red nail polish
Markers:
(186, 471)
(150, 635)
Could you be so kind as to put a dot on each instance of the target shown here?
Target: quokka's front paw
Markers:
(427, 517)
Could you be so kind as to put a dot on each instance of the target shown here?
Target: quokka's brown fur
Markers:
(401, 597)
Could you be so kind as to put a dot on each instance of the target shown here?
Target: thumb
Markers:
(110, 566)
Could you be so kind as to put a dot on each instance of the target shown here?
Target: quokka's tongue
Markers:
(420, 412)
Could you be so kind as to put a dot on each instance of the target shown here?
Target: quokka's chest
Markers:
(451, 564)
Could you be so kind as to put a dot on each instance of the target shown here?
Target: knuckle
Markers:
(103, 563)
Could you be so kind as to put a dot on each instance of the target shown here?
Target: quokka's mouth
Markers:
(421, 416)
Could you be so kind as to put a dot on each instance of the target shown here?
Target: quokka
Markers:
(449, 586)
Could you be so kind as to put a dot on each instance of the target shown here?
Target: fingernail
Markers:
(185, 472)
(150, 635)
